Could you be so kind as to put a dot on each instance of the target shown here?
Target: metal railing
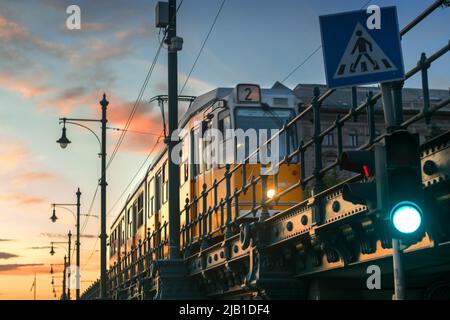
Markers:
(202, 219)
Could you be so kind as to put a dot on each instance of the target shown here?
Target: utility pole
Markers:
(70, 267)
(77, 275)
(103, 281)
(172, 281)
(174, 44)
(64, 279)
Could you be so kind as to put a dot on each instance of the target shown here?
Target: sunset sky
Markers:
(47, 71)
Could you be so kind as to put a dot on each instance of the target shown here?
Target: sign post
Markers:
(356, 53)
(363, 47)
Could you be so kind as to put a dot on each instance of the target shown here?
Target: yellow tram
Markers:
(245, 107)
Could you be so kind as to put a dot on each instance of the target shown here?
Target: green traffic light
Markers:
(406, 217)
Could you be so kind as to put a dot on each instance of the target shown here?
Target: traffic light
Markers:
(362, 162)
(393, 184)
(405, 201)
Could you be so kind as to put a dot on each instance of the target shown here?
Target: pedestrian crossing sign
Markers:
(356, 53)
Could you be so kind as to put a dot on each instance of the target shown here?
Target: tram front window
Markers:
(266, 119)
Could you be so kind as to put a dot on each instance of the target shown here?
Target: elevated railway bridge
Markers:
(323, 247)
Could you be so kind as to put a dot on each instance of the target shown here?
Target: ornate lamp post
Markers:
(63, 142)
(53, 218)
(68, 249)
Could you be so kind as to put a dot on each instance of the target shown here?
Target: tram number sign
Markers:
(248, 93)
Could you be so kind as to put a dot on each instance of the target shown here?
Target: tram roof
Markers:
(205, 100)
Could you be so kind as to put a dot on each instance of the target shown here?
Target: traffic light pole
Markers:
(399, 280)
(393, 113)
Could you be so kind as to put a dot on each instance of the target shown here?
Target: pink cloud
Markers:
(145, 30)
(12, 155)
(145, 120)
(26, 88)
(87, 26)
(68, 100)
(11, 32)
(21, 199)
(31, 177)
(23, 269)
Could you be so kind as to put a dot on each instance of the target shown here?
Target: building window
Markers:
(151, 198)
(353, 138)
(329, 140)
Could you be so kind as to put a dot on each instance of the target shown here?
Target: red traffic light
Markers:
(358, 161)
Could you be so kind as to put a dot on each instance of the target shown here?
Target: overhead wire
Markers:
(139, 98)
(295, 69)
(203, 46)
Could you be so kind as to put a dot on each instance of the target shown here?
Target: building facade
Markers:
(355, 133)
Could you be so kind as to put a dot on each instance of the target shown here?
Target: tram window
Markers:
(207, 156)
(224, 122)
(224, 125)
(140, 206)
(158, 192)
(120, 234)
(114, 241)
(184, 167)
(151, 198)
(123, 231)
(195, 152)
(272, 119)
(152, 206)
(164, 183)
(184, 173)
(130, 223)
(134, 218)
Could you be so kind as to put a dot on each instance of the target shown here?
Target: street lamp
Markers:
(68, 250)
(53, 218)
(63, 142)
